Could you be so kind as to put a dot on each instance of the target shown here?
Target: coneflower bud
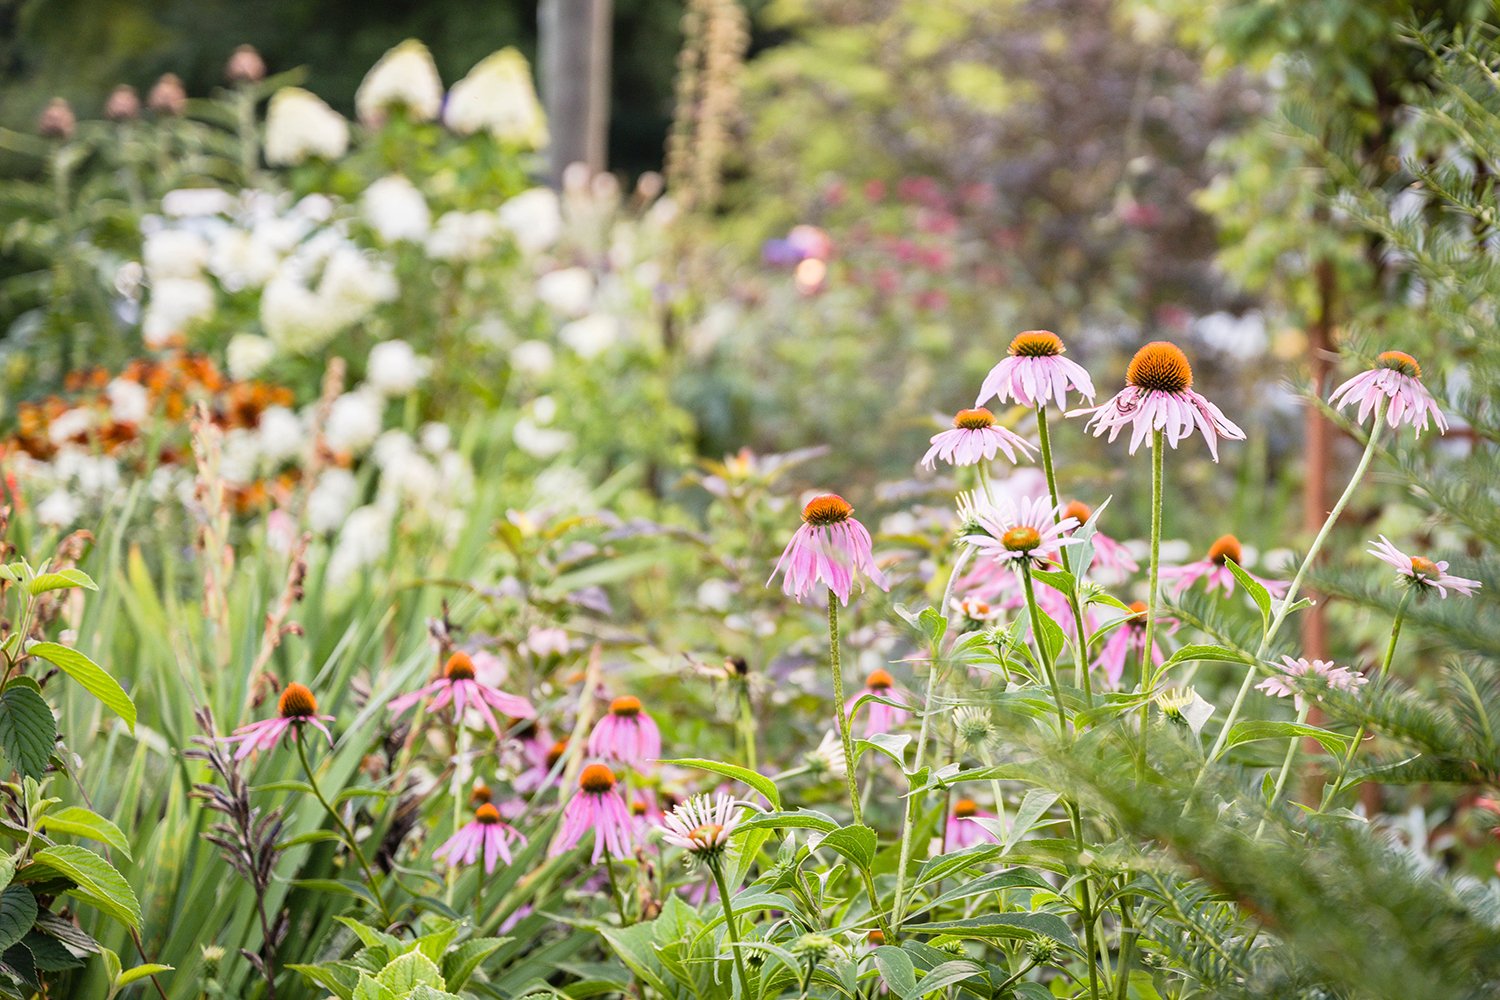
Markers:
(123, 104)
(168, 97)
(974, 727)
(245, 66)
(56, 120)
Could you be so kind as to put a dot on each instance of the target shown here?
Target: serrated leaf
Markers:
(17, 913)
(90, 676)
(98, 883)
(27, 730)
(407, 972)
(79, 822)
(857, 843)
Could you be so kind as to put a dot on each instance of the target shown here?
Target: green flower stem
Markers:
(716, 866)
(838, 704)
(1158, 460)
(1385, 668)
(747, 725)
(908, 822)
(348, 834)
(1044, 655)
(1080, 642)
(1291, 594)
(614, 887)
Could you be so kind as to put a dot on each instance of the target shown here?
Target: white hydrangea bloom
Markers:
(247, 355)
(498, 97)
(396, 210)
(533, 219)
(299, 125)
(394, 369)
(282, 434)
(331, 499)
(569, 291)
(174, 253)
(175, 306)
(196, 202)
(363, 541)
(242, 259)
(59, 509)
(463, 235)
(532, 357)
(129, 403)
(591, 336)
(353, 421)
(405, 77)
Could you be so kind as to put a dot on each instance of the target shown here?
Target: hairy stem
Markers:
(838, 704)
(348, 834)
(1291, 594)
(716, 866)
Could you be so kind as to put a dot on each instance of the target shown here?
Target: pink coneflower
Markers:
(1422, 572)
(1398, 378)
(486, 833)
(597, 807)
(702, 825)
(830, 547)
(541, 764)
(1125, 643)
(458, 687)
(1032, 529)
(644, 815)
(961, 832)
(1035, 372)
(1341, 678)
(1158, 396)
(974, 437)
(294, 709)
(626, 734)
(880, 717)
(1108, 554)
(1214, 568)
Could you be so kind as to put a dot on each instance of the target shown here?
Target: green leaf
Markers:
(369, 989)
(27, 730)
(1190, 653)
(896, 969)
(77, 821)
(1261, 596)
(17, 913)
(889, 744)
(98, 882)
(945, 975)
(796, 819)
(1253, 730)
(1060, 580)
(140, 972)
(61, 580)
(857, 843)
(409, 971)
(90, 676)
(754, 779)
(460, 963)
(1024, 926)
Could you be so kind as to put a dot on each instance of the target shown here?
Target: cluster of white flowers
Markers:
(496, 97)
(313, 278)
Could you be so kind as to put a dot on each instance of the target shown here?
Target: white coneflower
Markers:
(702, 825)
(826, 760)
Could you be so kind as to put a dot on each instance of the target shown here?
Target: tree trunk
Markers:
(575, 61)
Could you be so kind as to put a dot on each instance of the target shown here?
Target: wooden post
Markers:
(575, 38)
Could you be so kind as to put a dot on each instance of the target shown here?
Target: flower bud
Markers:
(56, 120)
(245, 66)
(124, 104)
(168, 97)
